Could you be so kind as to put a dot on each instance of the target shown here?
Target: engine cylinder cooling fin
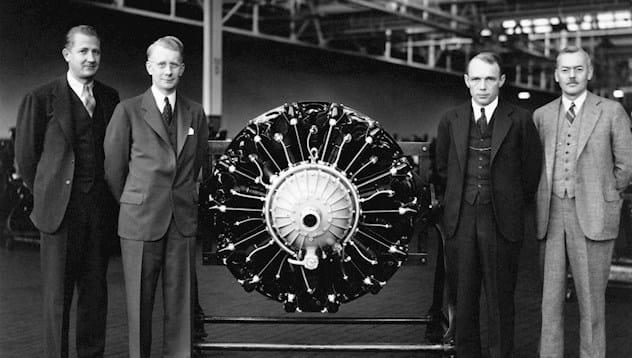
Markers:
(313, 204)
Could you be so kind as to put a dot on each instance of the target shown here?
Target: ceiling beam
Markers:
(583, 33)
(469, 31)
(549, 9)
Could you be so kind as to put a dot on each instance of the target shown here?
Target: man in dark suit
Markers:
(489, 154)
(59, 154)
(155, 146)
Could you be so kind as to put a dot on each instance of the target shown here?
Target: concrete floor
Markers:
(406, 294)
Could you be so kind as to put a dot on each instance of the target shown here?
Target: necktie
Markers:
(167, 112)
(88, 99)
(570, 114)
(482, 122)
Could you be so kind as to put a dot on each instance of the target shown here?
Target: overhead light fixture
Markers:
(623, 23)
(543, 29)
(502, 38)
(606, 24)
(540, 22)
(617, 93)
(554, 21)
(524, 95)
(509, 24)
(603, 16)
(486, 33)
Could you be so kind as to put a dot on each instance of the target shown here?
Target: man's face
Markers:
(572, 73)
(484, 81)
(165, 67)
(83, 57)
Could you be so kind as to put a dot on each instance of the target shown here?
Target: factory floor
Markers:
(408, 293)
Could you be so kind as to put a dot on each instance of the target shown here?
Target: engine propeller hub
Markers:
(311, 206)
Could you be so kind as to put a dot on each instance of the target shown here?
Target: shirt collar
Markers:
(579, 102)
(160, 98)
(77, 86)
(489, 109)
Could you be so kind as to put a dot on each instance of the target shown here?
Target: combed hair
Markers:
(80, 29)
(574, 49)
(168, 42)
(488, 57)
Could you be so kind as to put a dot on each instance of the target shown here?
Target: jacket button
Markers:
(68, 182)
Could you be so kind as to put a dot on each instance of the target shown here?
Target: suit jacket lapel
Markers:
(101, 102)
(184, 119)
(461, 132)
(502, 123)
(152, 116)
(589, 117)
(61, 108)
(550, 125)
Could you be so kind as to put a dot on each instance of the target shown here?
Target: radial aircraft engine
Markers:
(313, 205)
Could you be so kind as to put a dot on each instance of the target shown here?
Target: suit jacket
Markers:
(603, 170)
(44, 146)
(152, 181)
(515, 165)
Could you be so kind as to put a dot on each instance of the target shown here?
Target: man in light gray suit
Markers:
(155, 147)
(587, 146)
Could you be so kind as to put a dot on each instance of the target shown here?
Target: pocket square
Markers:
(191, 131)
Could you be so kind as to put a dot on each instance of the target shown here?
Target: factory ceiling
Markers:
(437, 35)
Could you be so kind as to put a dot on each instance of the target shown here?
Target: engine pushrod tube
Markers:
(439, 348)
(319, 320)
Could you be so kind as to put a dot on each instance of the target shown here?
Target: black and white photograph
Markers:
(316, 178)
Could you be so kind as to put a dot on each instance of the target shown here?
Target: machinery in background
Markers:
(16, 202)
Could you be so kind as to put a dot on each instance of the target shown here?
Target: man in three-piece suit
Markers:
(489, 154)
(155, 146)
(59, 154)
(588, 163)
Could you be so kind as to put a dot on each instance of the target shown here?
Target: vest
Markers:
(478, 169)
(88, 144)
(566, 155)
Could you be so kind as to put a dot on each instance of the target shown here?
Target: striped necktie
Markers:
(88, 99)
(570, 114)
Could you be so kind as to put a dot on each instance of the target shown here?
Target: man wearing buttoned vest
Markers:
(155, 146)
(59, 155)
(489, 154)
(588, 163)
